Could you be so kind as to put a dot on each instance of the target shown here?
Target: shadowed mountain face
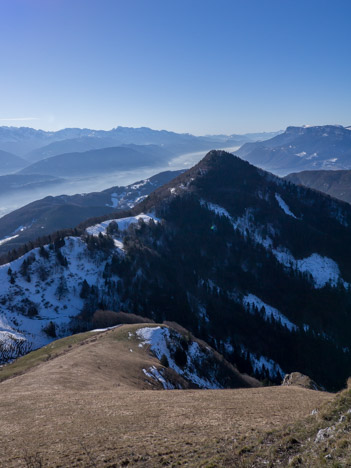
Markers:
(10, 163)
(335, 183)
(104, 160)
(50, 214)
(302, 148)
(258, 267)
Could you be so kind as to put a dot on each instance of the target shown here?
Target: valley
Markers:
(17, 190)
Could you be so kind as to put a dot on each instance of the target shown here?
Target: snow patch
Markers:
(7, 239)
(162, 342)
(272, 367)
(284, 206)
(96, 330)
(251, 300)
(114, 200)
(123, 223)
(139, 184)
(216, 209)
(322, 269)
(155, 374)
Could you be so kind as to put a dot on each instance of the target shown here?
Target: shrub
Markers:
(50, 329)
(180, 357)
(105, 318)
(164, 361)
(32, 311)
(112, 228)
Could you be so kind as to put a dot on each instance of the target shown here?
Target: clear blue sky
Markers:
(197, 66)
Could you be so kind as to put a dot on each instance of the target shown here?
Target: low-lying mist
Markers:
(94, 183)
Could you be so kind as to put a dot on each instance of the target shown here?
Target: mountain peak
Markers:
(217, 169)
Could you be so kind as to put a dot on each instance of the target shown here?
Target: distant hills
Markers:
(335, 183)
(42, 217)
(13, 182)
(105, 160)
(302, 148)
(10, 163)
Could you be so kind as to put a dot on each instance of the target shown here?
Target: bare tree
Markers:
(13, 348)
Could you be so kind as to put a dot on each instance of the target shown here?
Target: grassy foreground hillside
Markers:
(84, 401)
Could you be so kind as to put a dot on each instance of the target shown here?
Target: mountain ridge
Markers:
(251, 263)
(335, 183)
(302, 148)
(38, 144)
(50, 214)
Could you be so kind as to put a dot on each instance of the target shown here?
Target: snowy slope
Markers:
(48, 291)
(123, 223)
(44, 296)
(322, 269)
(270, 312)
(164, 341)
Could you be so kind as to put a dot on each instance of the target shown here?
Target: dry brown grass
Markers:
(92, 406)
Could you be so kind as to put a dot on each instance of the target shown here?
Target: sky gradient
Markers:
(197, 66)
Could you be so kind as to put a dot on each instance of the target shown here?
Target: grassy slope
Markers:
(321, 439)
(44, 354)
(85, 407)
(92, 359)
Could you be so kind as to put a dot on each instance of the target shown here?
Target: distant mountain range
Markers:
(253, 264)
(296, 149)
(50, 214)
(335, 183)
(35, 145)
(302, 148)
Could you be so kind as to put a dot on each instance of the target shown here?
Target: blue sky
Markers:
(197, 66)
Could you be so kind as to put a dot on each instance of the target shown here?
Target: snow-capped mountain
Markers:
(302, 148)
(35, 145)
(24, 139)
(256, 266)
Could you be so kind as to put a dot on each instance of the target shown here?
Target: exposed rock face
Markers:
(300, 380)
